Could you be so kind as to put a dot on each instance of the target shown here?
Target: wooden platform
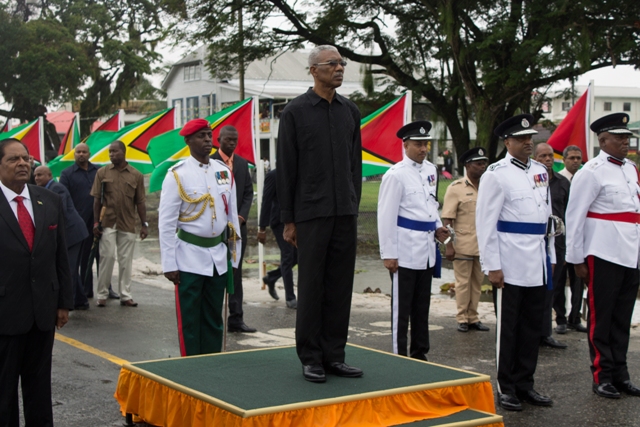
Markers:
(265, 387)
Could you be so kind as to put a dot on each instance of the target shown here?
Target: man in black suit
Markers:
(75, 231)
(270, 215)
(35, 288)
(228, 139)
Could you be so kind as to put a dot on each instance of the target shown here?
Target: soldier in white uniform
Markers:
(199, 201)
(512, 214)
(603, 240)
(408, 226)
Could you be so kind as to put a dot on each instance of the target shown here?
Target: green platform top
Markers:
(273, 377)
(467, 417)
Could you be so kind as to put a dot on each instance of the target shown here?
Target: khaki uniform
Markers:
(460, 206)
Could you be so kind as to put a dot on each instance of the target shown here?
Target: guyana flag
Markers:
(168, 149)
(72, 137)
(32, 135)
(572, 130)
(135, 137)
(381, 148)
(113, 123)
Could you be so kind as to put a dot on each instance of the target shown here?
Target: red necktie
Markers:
(26, 224)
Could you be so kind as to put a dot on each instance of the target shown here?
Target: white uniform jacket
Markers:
(197, 179)
(408, 192)
(513, 192)
(604, 187)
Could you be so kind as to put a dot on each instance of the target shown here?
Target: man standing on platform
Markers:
(75, 231)
(513, 211)
(459, 212)
(270, 216)
(572, 157)
(603, 243)
(559, 188)
(228, 140)
(319, 184)
(198, 199)
(119, 188)
(408, 227)
(35, 288)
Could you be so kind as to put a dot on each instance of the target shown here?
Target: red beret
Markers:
(193, 126)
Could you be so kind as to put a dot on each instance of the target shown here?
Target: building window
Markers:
(626, 106)
(607, 106)
(566, 106)
(205, 105)
(191, 72)
(177, 104)
(192, 110)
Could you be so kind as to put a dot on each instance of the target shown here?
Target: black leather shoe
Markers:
(82, 307)
(606, 390)
(113, 295)
(292, 304)
(272, 287)
(509, 402)
(314, 373)
(551, 342)
(628, 387)
(578, 327)
(534, 398)
(561, 329)
(341, 369)
(463, 327)
(478, 326)
(241, 328)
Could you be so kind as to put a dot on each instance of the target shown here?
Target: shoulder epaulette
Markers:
(455, 183)
(177, 165)
(535, 162)
(594, 163)
(496, 165)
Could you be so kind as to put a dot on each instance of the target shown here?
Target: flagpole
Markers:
(43, 158)
(259, 180)
(590, 108)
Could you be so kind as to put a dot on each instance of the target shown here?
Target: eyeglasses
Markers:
(333, 63)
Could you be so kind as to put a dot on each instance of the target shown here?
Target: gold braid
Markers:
(233, 238)
(194, 203)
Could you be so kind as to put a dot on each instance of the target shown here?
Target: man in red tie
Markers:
(35, 288)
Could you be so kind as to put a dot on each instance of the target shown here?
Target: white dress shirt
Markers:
(509, 193)
(603, 187)
(11, 195)
(408, 189)
(564, 172)
(197, 179)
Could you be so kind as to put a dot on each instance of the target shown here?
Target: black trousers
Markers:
(611, 296)
(235, 301)
(85, 250)
(410, 302)
(559, 279)
(80, 297)
(288, 259)
(576, 287)
(26, 357)
(519, 326)
(326, 263)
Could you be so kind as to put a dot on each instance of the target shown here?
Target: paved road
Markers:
(84, 382)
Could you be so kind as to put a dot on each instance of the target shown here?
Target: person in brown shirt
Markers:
(119, 188)
(459, 211)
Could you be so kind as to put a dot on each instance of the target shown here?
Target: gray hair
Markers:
(565, 152)
(315, 53)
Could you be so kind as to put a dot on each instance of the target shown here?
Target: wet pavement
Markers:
(84, 382)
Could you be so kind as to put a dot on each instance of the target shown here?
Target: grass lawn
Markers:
(370, 190)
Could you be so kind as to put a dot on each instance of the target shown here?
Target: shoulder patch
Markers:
(496, 165)
(594, 164)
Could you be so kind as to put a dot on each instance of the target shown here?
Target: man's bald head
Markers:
(42, 175)
(543, 153)
(228, 139)
(81, 154)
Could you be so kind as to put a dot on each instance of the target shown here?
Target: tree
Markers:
(471, 60)
(41, 63)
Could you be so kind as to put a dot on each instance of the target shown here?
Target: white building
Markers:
(606, 100)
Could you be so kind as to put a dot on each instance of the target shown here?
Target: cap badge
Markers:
(422, 131)
(624, 120)
(481, 152)
(525, 123)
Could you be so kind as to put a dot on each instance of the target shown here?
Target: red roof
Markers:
(61, 120)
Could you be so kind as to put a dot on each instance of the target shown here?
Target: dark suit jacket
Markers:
(244, 186)
(33, 285)
(75, 228)
(79, 183)
(270, 209)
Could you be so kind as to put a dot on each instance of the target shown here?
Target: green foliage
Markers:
(472, 60)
